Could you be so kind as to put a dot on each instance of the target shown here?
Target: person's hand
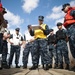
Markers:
(31, 40)
(41, 28)
(8, 35)
(11, 43)
(54, 45)
(24, 46)
(20, 44)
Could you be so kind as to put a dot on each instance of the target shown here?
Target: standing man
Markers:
(69, 24)
(3, 24)
(16, 42)
(27, 50)
(4, 48)
(28, 45)
(52, 48)
(40, 44)
(3, 35)
(61, 45)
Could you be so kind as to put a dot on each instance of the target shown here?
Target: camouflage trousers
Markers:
(1, 37)
(14, 50)
(4, 52)
(71, 32)
(40, 49)
(62, 51)
(27, 50)
(53, 53)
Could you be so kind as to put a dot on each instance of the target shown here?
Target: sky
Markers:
(21, 13)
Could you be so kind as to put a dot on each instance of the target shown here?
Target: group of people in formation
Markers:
(48, 45)
(45, 43)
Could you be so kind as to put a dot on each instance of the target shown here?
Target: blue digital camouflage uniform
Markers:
(27, 50)
(40, 48)
(52, 48)
(4, 52)
(1, 37)
(71, 32)
(69, 22)
(5, 48)
(62, 49)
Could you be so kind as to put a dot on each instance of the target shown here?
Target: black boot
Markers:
(35, 66)
(5, 65)
(43, 66)
(50, 66)
(17, 66)
(9, 65)
(46, 67)
(1, 65)
(25, 66)
(55, 66)
(1, 68)
(67, 66)
(60, 66)
(72, 69)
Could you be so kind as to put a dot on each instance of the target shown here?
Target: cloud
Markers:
(59, 20)
(72, 3)
(56, 9)
(54, 16)
(13, 19)
(29, 5)
(56, 13)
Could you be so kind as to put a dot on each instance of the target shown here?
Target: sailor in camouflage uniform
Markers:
(27, 49)
(69, 24)
(40, 44)
(52, 48)
(62, 49)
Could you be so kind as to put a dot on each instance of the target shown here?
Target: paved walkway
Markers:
(39, 71)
